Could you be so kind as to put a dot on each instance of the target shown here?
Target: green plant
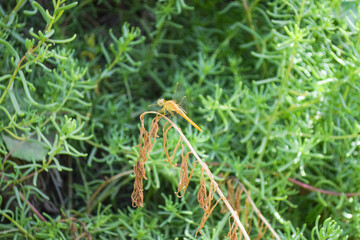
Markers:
(329, 230)
(272, 84)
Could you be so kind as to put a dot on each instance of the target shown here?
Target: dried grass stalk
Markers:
(184, 177)
(205, 200)
(234, 198)
(144, 150)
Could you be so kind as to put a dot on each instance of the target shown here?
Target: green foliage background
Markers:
(273, 84)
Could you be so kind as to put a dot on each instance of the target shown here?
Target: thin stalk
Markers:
(208, 173)
(103, 185)
(23, 230)
(258, 212)
(30, 52)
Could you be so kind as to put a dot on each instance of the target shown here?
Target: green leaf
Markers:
(29, 150)
(66, 7)
(63, 40)
(42, 11)
(11, 49)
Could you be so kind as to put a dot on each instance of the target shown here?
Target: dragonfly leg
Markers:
(164, 111)
(170, 112)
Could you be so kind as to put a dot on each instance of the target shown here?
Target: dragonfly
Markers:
(171, 106)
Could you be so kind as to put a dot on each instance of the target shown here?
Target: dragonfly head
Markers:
(160, 102)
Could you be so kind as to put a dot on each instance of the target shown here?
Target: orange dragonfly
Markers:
(171, 106)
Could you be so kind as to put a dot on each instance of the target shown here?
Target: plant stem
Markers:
(209, 174)
(23, 230)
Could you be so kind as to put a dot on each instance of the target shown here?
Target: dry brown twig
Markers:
(204, 197)
(234, 197)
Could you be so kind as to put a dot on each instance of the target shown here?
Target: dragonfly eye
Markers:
(160, 102)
